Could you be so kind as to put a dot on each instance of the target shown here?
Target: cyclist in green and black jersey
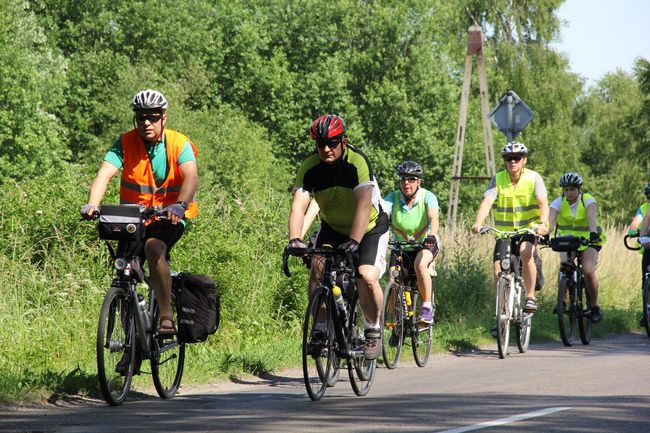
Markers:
(340, 179)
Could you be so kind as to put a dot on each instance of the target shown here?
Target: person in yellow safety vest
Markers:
(574, 213)
(634, 226)
(158, 169)
(520, 201)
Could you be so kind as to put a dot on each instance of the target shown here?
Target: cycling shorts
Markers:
(502, 244)
(162, 230)
(372, 249)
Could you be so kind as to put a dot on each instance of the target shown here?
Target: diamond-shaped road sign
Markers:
(511, 115)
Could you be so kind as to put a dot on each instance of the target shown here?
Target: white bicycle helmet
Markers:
(149, 100)
(514, 147)
(570, 179)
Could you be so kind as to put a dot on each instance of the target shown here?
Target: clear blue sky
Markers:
(600, 36)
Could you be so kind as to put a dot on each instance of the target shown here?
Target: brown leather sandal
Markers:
(167, 330)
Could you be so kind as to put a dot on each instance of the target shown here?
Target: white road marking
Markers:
(507, 420)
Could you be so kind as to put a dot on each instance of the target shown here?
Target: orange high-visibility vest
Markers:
(138, 185)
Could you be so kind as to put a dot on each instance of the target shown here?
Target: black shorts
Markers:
(162, 230)
(502, 244)
(372, 249)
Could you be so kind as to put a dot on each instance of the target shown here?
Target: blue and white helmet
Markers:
(149, 100)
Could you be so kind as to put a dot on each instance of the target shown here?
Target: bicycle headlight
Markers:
(505, 264)
(120, 264)
(130, 228)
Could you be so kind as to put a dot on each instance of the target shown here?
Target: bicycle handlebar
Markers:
(636, 236)
(331, 252)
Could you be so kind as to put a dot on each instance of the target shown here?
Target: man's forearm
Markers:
(360, 221)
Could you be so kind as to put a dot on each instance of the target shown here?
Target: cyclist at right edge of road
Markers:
(520, 201)
(633, 228)
(575, 214)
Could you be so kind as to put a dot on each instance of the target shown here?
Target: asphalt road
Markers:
(603, 387)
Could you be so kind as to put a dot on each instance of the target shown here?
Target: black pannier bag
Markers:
(566, 243)
(199, 306)
(121, 222)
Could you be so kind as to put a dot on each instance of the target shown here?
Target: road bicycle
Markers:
(511, 293)
(645, 286)
(402, 307)
(573, 301)
(333, 331)
(129, 316)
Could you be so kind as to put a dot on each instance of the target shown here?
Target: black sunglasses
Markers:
(152, 118)
(408, 178)
(332, 144)
(512, 158)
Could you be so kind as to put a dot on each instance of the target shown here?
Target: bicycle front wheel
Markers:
(317, 338)
(392, 320)
(115, 346)
(524, 323)
(584, 321)
(646, 306)
(503, 316)
(168, 357)
(421, 333)
(360, 369)
(567, 312)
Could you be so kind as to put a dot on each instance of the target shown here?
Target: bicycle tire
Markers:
(168, 357)
(584, 320)
(503, 317)
(360, 370)
(317, 354)
(392, 320)
(524, 322)
(645, 295)
(335, 371)
(567, 318)
(421, 334)
(115, 340)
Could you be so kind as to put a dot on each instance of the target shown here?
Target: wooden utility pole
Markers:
(474, 48)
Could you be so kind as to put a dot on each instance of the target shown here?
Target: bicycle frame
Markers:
(510, 286)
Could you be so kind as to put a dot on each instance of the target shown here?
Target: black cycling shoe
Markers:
(493, 331)
(318, 343)
(595, 316)
(122, 367)
(392, 341)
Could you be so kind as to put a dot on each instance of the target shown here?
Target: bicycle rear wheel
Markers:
(392, 319)
(421, 334)
(584, 321)
(317, 338)
(115, 346)
(567, 312)
(360, 369)
(524, 322)
(168, 357)
(503, 317)
(646, 305)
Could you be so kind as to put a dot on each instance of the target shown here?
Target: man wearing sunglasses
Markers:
(414, 213)
(340, 179)
(634, 226)
(158, 169)
(520, 200)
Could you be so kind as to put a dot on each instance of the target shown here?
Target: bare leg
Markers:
(370, 294)
(422, 262)
(160, 278)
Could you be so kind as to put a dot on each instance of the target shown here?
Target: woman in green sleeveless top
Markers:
(636, 223)
(414, 215)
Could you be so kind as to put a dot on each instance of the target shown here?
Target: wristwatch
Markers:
(183, 204)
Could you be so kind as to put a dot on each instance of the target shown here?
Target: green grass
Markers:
(54, 273)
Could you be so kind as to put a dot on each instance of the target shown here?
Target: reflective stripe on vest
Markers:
(567, 224)
(515, 208)
(138, 185)
(413, 223)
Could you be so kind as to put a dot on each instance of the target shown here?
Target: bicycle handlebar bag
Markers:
(117, 222)
(199, 307)
(566, 243)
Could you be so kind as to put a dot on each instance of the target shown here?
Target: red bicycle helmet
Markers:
(328, 127)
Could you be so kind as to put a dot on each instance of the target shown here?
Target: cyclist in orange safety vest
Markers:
(158, 169)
